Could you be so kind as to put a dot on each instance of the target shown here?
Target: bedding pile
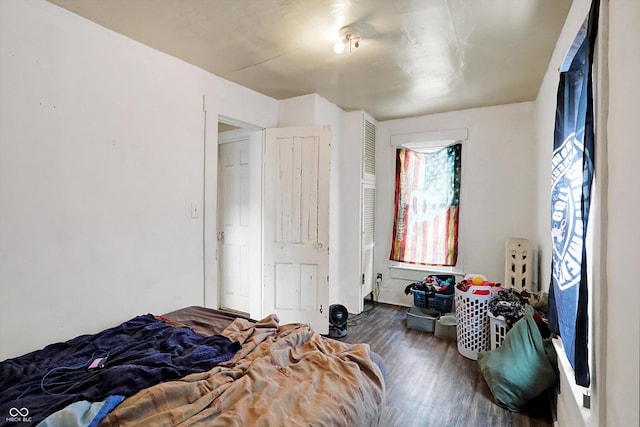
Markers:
(157, 371)
(137, 354)
(282, 375)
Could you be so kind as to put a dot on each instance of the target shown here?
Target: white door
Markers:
(368, 239)
(296, 225)
(238, 229)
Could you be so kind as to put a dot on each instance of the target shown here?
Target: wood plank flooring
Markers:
(428, 382)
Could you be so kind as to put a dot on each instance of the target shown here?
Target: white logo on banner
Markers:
(566, 212)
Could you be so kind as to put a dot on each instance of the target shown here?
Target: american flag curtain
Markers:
(427, 205)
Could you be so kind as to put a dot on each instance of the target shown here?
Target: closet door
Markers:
(368, 236)
(367, 206)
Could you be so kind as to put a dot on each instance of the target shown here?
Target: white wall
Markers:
(101, 155)
(623, 295)
(498, 187)
(615, 373)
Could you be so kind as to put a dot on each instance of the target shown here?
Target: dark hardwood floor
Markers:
(428, 382)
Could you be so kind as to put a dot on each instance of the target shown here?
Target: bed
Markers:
(195, 366)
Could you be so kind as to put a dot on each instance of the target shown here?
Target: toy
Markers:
(477, 280)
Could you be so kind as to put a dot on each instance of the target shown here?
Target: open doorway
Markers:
(238, 218)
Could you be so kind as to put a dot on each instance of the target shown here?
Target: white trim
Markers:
(403, 271)
(570, 411)
(238, 123)
(234, 135)
(429, 141)
(424, 142)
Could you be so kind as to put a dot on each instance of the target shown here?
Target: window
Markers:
(427, 205)
(571, 191)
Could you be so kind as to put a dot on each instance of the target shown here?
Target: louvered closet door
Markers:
(368, 215)
(369, 151)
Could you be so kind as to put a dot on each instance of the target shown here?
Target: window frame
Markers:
(589, 400)
(429, 141)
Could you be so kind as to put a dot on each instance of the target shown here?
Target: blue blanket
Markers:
(135, 355)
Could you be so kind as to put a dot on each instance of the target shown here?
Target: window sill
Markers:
(574, 393)
(418, 272)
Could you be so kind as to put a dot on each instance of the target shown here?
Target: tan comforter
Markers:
(283, 376)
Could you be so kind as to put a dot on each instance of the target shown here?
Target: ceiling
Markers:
(416, 57)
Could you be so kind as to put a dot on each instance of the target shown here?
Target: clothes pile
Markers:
(510, 304)
(433, 284)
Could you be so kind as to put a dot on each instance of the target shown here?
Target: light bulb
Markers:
(338, 47)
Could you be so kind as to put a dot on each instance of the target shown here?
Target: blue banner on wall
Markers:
(571, 179)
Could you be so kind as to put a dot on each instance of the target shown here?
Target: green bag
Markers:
(521, 369)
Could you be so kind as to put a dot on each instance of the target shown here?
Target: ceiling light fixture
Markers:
(348, 36)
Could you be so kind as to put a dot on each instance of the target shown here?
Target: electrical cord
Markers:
(71, 384)
(355, 320)
(376, 290)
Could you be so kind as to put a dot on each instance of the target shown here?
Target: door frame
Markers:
(211, 291)
(254, 261)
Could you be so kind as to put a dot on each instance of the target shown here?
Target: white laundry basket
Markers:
(497, 329)
(472, 308)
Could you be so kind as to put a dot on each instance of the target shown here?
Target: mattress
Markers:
(195, 366)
